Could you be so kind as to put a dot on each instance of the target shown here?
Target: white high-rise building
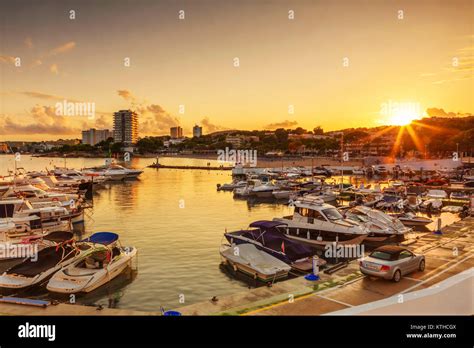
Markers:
(176, 132)
(94, 136)
(126, 127)
(197, 131)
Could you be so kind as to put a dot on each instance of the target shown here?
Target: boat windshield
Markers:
(332, 214)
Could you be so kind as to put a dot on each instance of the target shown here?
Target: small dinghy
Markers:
(37, 269)
(410, 219)
(247, 259)
(105, 262)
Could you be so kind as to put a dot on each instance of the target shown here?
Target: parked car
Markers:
(392, 262)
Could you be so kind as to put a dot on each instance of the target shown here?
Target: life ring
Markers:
(55, 199)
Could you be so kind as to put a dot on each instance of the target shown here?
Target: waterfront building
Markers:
(176, 132)
(94, 136)
(197, 131)
(126, 127)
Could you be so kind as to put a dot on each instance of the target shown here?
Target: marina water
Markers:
(176, 219)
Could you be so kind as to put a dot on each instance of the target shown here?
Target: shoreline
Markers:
(262, 162)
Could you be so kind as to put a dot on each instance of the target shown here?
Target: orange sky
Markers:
(424, 58)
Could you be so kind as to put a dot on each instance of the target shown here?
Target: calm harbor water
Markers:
(176, 219)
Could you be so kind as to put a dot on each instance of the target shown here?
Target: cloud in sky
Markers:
(61, 49)
(44, 121)
(54, 69)
(126, 94)
(7, 59)
(210, 127)
(45, 96)
(283, 124)
(154, 119)
(436, 112)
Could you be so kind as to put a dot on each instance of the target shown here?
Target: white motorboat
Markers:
(245, 191)
(378, 222)
(256, 263)
(104, 262)
(75, 175)
(327, 196)
(452, 209)
(29, 246)
(315, 222)
(130, 173)
(233, 185)
(410, 219)
(264, 191)
(112, 175)
(14, 230)
(358, 171)
(435, 204)
(34, 194)
(35, 270)
(437, 194)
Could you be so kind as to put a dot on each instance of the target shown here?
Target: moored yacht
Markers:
(317, 223)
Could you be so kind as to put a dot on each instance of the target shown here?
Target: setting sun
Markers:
(403, 119)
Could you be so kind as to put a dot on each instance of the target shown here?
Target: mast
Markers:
(342, 160)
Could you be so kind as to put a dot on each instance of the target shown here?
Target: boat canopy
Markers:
(102, 238)
(266, 224)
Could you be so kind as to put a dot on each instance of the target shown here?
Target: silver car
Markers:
(391, 262)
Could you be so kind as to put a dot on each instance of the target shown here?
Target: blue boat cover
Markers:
(102, 238)
(274, 239)
(266, 224)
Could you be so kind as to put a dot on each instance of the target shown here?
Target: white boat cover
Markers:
(249, 255)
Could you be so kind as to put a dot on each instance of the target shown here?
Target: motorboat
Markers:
(317, 223)
(462, 196)
(469, 183)
(369, 189)
(104, 262)
(34, 194)
(49, 212)
(112, 175)
(129, 172)
(413, 201)
(380, 170)
(36, 270)
(256, 263)
(267, 236)
(437, 194)
(358, 171)
(245, 191)
(231, 186)
(75, 175)
(327, 196)
(14, 230)
(452, 209)
(377, 221)
(390, 202)
(282, 194)
(432, 204)
(410, 219)
(264, 191)
(114, 172)
(29, 246)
